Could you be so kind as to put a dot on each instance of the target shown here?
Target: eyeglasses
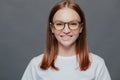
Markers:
(72, 25)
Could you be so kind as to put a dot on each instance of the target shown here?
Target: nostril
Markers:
(71, 36)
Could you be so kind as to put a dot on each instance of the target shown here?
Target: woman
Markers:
(67, 56)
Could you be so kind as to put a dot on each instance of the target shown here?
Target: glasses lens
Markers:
(59, 25)
(74, 25)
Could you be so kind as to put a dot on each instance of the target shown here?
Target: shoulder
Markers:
(32, 68)
(37, 60)
(96, 59)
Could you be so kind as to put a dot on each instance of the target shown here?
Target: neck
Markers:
(67, 51)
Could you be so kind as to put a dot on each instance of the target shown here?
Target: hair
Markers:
(51, 50)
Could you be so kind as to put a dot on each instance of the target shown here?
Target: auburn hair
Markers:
(51, 50)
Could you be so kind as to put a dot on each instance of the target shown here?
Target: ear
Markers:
(51, 27)
(81, 28)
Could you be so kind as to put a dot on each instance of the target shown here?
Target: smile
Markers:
(66, 37)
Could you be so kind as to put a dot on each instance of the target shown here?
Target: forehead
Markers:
(66, 15)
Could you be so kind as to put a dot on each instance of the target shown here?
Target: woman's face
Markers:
(67, 36)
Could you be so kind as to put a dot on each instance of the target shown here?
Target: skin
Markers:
(66, 38)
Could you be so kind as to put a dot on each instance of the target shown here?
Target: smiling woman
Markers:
(66, 29)
(66, 56)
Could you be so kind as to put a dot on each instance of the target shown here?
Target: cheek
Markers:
(76, 32)
(55, 32)
(76, 36)
(57, 37)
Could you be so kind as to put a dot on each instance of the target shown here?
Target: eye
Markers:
(59, 24)
(73, 23)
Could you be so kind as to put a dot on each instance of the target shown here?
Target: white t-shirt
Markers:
(68, 70)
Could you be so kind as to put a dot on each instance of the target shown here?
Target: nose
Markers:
(66, 29)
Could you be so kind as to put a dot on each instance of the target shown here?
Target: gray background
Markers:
(23, 29)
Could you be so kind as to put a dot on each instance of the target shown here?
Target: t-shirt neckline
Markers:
(66, 57)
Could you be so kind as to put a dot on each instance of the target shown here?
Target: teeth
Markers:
(66, 37)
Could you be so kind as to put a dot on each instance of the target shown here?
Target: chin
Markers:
(66, 44)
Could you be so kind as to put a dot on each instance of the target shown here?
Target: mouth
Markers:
(66, 37)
